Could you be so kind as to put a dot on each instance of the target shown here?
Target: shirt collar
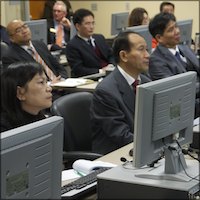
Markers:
(173, 51)
(128, 78)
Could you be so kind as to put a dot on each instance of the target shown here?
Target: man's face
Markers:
(171, 35)
(86, 28)
(168, 9)
(58, 13)
(19, 32)
(137, 59)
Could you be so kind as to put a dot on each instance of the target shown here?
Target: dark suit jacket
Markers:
(17, 53)
(52, 36)
(112, 113)
(83, 59)
(163, 63)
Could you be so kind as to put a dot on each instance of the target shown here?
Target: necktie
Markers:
(135, 83)
(38, 59)
(90, 43)
(59, 35)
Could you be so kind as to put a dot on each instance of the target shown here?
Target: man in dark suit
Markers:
(113, 105)
(23, 49)
(59, 21)
(170, 58)
(87, 53)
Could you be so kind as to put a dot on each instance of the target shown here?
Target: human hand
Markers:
(65, 22)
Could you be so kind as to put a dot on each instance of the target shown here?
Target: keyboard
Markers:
(82, 186)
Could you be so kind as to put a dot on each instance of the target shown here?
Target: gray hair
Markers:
(61, 3)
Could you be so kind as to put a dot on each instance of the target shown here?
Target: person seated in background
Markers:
(113, 104)
(23, 49)
(24, 94)
(170, 58)
(87, 53)
(58, 27)
(138, 16)
(167, 7)
(48, 9)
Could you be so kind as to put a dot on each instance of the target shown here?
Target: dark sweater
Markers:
(7, 123)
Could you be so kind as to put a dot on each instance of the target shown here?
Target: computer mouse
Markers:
(131, 152)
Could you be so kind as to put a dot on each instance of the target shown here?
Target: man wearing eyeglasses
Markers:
(87, 53)
(23, 49)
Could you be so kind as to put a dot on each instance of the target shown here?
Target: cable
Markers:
(182, 163)
(186, 152)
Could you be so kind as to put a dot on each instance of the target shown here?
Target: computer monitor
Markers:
(31, 160)
(164, 115)
(143, 30)
(185, 27)
(119, 21)
(73, 30)
(38, 29)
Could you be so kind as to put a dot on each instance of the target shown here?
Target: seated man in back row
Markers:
(113, 105)
(169, 58)
(87, 53)
(23, 49)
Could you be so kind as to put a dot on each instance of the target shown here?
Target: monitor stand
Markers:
(158, 172)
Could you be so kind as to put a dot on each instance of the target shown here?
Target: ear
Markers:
(158, 37)
(20, 93)
(123, 56)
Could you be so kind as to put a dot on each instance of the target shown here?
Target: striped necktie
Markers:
(38, 59)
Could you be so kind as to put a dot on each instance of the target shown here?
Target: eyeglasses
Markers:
(20, 29)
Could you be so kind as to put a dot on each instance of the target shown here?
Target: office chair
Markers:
(74, 108)
(4, 48)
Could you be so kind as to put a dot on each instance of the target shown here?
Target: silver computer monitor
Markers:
(185, 27)
(164, 115)
(143, 30)
(31, 160)
(119, 21)
(38, 29)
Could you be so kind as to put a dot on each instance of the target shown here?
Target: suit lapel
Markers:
(128, 95)
(171, 60)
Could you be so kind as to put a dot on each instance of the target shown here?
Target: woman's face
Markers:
(36, 95)
(145, 20)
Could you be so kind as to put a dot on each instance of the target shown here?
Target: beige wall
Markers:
(183, 10)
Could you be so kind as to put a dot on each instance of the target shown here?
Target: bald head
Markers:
(19, 32)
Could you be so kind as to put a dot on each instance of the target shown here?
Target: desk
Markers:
(81, 88)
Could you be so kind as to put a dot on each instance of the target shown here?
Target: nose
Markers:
(49, 88)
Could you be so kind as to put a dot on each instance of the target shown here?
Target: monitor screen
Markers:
(185, 27)
(119, 21)
(38, 29)
(143, 30)
(164, 115)
(31, 160)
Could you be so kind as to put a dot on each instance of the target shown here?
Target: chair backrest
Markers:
(4, 48)
(75, 109)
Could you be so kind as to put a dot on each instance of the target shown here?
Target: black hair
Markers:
(166, 3)
(121, 42)
(80, 14)
(159, 23)
(17, 74)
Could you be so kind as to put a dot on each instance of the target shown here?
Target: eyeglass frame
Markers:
(19, 29)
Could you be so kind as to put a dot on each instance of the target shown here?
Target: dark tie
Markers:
(178, 57)
(134, 84)
(90, 43)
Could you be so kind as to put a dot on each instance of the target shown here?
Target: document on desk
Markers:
(72, 82)
(84, 167)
